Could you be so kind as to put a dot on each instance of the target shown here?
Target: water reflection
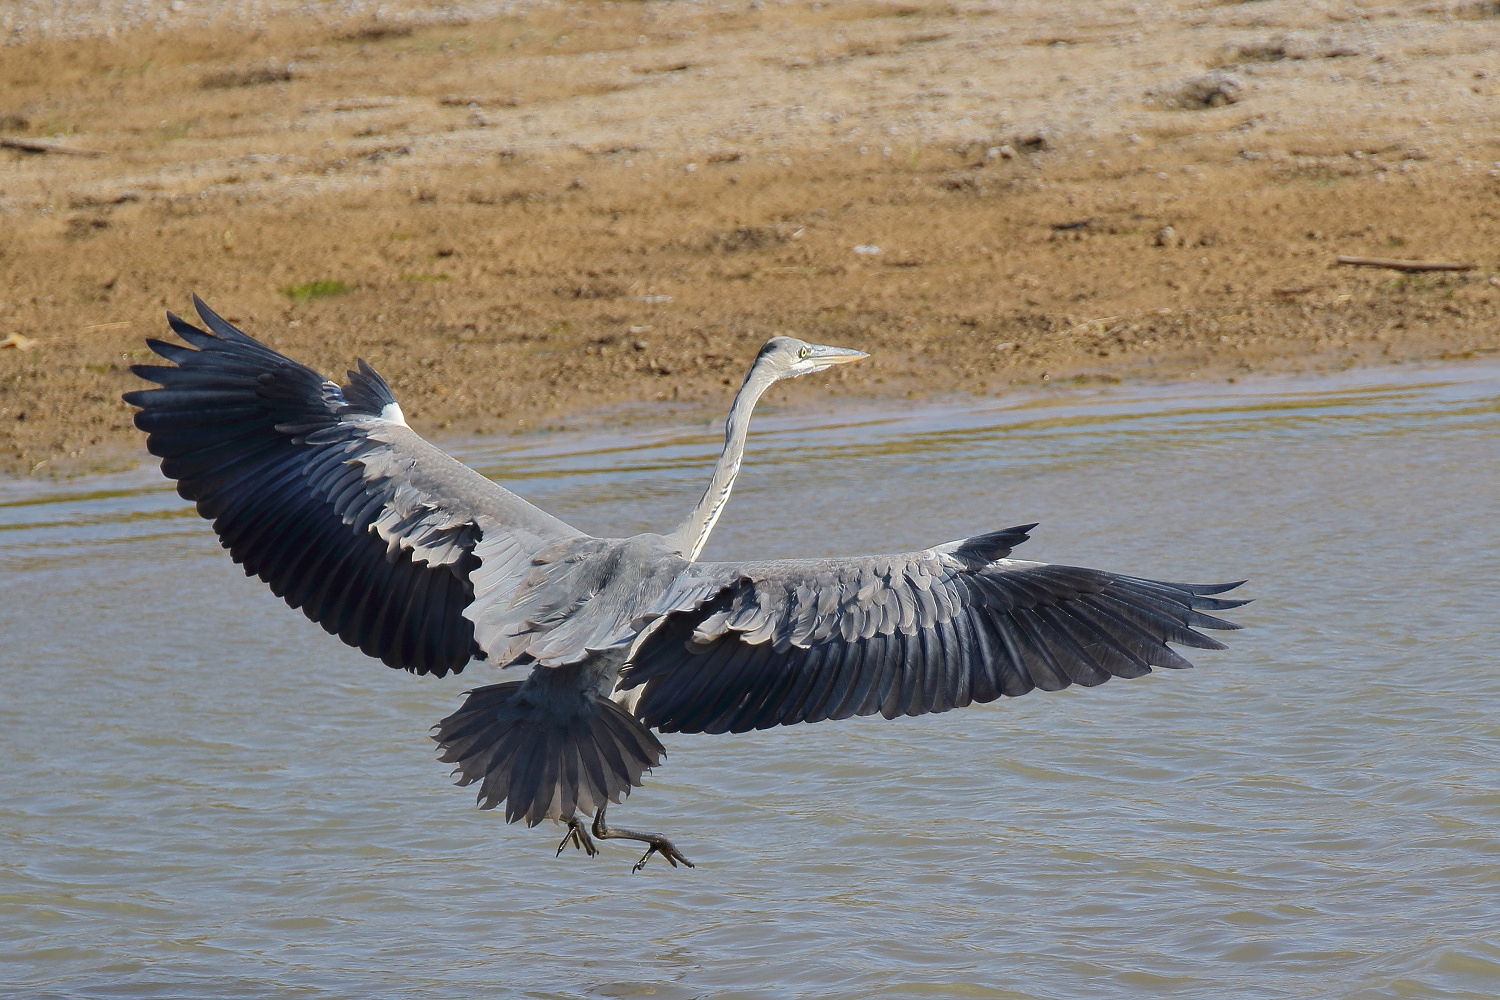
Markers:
(206, 796)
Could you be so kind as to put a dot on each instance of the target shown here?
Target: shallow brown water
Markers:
(204, 795)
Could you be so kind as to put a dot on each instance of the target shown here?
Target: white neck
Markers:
(692, 534)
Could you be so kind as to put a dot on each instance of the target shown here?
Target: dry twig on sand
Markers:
(36, 146)
(1410, 266)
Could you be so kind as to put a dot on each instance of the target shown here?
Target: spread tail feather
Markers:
(540, 761)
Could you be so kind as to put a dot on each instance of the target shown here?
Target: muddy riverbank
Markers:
(530, 215)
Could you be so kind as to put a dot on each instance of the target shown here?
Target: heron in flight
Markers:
(325, 493)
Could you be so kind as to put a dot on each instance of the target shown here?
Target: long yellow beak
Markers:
(834, 355)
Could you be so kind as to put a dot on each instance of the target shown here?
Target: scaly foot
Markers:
(657, 843)
(662, 846)
(578, 836)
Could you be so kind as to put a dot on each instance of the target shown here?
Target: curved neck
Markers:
(691, 535)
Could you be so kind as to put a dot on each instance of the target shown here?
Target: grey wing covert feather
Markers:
(324, 493)
(803, 640)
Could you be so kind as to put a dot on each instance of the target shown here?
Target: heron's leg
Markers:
(578, 836)
(658, 844)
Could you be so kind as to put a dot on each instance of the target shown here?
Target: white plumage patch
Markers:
(391, 412)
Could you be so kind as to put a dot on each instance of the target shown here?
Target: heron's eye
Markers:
(803, 352)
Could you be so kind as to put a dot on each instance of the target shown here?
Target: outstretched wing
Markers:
(802, 640)
(324, 493)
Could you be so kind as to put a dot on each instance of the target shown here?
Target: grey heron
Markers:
(325, 493)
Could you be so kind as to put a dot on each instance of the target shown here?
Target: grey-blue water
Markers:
(203, 795)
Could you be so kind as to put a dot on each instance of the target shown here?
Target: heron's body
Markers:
(329, 497)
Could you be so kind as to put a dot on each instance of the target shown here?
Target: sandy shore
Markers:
(529, 214)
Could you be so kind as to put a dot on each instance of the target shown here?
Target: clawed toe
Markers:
(658, 844)
(578, 837)
(663, 847)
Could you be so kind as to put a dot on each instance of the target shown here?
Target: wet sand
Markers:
(537, 215)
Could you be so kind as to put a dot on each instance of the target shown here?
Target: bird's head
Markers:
(788, 357)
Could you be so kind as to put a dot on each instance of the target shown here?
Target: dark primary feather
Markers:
(788, 641)
(343, 512)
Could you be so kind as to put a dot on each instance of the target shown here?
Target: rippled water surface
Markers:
(203, 795)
